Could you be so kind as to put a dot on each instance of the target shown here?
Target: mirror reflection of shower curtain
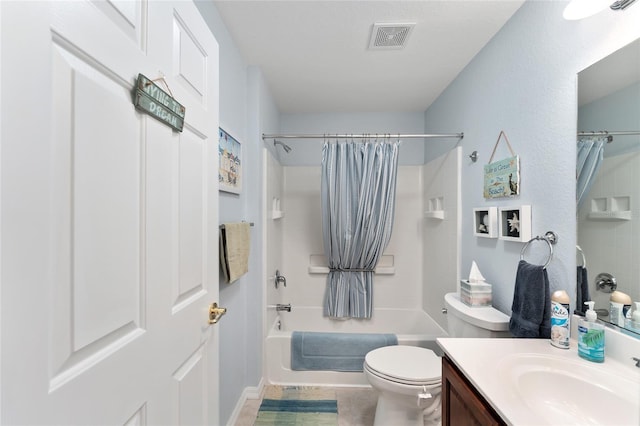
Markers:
(358, 205)
(589, 158)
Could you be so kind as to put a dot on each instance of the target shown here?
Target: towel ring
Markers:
(550, 238)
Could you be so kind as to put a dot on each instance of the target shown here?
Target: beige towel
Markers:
(234, 250)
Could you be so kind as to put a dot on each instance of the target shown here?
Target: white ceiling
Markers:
(315, 57)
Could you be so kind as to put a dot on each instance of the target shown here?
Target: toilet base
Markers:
(390, 411)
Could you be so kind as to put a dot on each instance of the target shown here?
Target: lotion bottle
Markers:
(560, 319)
(620, 304)
(591, 336)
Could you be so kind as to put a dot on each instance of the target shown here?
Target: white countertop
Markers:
(484, 362)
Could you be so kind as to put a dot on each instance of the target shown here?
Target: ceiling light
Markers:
(622, 4)
(579, 9)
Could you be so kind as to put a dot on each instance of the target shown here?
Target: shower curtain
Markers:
(589, 157)
(358, 204)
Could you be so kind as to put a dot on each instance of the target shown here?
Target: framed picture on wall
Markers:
(515, 223)
(230, 163)
(485, 222)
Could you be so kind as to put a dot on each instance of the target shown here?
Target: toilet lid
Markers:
(407, 364)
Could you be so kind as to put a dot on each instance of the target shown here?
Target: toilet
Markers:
(408, 378)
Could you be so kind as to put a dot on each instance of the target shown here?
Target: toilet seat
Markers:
(408, 365)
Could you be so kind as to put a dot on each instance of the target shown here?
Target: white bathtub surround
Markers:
(412, 327)
(272, 251)
(440, 239)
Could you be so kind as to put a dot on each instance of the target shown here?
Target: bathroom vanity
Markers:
(462, 404)
(530, 382)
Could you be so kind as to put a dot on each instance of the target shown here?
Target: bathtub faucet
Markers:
(280, 279)
(281, 307)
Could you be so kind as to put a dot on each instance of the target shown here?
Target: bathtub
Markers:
(413, 327)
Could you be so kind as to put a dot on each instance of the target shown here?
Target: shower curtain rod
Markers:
(364, 136)
(607, 133)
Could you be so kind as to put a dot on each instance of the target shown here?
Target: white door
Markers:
(108, 218)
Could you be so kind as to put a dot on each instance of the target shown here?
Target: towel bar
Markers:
(222, 226)
(550, 238)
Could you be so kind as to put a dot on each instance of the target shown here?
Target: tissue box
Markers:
(476, 298)
(475, 294)
(475, 287)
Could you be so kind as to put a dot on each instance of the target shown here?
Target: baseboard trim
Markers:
(250, 392)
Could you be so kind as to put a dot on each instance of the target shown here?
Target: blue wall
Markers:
(246, 110)
(524, 82)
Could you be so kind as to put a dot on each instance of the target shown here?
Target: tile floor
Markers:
(356, 407)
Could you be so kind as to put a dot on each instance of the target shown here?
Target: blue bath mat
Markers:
(334, 351)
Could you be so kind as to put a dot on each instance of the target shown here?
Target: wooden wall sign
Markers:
(502, 178)
(151, 99)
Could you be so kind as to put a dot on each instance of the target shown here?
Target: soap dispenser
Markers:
(591, 336)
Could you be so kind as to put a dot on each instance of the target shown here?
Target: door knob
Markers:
(215, 313)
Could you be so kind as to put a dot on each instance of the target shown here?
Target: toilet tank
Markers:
(478, 321)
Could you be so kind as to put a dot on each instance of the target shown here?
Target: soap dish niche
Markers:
(435, 208)
(610, 208)
(276, 212)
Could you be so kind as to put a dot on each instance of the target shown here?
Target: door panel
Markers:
(97, 203)
(190, 382)
(192, 214)
(108, 217)
(189, 70)
(190, 59)
(127, 15)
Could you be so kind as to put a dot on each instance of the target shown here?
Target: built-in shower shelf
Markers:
(435, 208)
(610, 208)
(317, 265)
(276, 211)
(619, 215)
(434, 214)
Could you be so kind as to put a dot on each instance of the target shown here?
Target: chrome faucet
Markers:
(281, 307)
(280, 279)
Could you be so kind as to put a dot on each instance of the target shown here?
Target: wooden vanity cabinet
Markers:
(462, 405)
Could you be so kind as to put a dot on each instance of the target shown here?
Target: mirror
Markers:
(608, 215)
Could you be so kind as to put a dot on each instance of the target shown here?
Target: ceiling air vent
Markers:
(390, 36)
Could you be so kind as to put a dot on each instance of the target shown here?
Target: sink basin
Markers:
(569, 391)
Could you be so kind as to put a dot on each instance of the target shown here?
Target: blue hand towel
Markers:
(531, 308)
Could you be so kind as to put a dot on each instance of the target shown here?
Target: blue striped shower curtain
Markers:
(589, 157)
(358, 204)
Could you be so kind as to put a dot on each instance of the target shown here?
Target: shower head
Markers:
(286, 147)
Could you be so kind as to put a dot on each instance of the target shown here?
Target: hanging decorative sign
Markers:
(159, 104)
(502, 178)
